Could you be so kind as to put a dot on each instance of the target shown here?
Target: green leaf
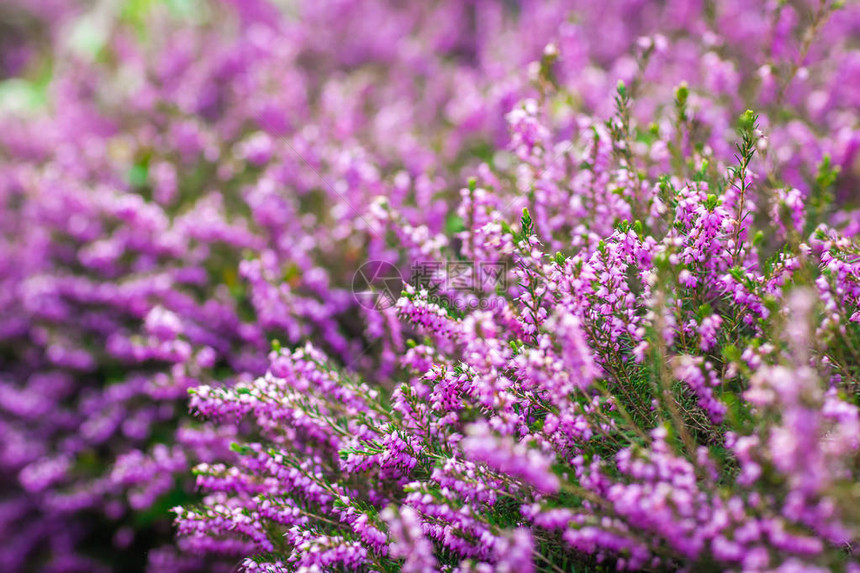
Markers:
(454, 224)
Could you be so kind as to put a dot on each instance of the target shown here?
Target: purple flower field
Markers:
(440, 285)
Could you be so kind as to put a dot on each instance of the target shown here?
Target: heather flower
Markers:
(663, 376)
(621, 401)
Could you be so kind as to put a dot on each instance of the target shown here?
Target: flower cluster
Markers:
(197, 181)
(668, 385)
(666, 378)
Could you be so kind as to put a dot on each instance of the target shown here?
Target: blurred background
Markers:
(182, 182)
